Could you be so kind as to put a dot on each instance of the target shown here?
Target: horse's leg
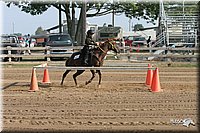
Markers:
(64, 75)
(99, 72)
(76, 74)
(93, 75)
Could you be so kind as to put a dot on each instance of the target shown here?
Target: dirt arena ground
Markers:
(122, 103)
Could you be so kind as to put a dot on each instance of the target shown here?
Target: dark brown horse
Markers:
(96, 60)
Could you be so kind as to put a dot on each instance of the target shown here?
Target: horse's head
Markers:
(112, 45)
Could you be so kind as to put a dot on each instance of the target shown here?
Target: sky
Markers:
(16, 21)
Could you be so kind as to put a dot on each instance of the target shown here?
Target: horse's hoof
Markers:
(77, 86)
(99, 86)
(87, 82)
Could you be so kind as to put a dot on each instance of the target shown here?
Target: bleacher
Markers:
(178, 24)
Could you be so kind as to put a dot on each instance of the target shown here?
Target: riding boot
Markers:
(86, 59)
(86, 53)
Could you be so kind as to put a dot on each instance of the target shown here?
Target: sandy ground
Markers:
(122, 103)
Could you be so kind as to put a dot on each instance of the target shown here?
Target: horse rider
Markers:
(148, 41)
(89, 45)
(28, 43)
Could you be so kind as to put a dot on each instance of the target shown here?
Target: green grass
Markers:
(178, 64)
(185, 65)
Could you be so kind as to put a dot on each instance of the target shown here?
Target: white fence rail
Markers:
(46, 52)
(94, 68)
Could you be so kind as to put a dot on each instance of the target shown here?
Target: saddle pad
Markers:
(76, 57)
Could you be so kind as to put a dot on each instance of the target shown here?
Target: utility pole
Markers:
(113, 13)
(113, 18)
(60, 19)
(129, 21)
(13, 26)
(83, 22)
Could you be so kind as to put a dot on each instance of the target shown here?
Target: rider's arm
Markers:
(89, 41)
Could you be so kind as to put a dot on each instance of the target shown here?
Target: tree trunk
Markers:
(83, 23)
(78, 29)
(69, 21)
(73, 22)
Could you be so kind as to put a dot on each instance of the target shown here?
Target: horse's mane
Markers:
(106, 41)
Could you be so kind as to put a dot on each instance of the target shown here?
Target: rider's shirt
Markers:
(89, 42)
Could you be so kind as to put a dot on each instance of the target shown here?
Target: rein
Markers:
(104, 50)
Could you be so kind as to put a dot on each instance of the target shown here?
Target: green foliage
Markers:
(137, 27)
(146, 10)
(31, 7)
(18, 34)
(35, 9)
(40, 31)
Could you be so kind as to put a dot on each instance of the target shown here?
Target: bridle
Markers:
(113, 47)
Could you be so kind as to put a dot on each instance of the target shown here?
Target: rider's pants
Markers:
(86, 53)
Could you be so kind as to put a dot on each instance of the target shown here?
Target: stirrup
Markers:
(85, 62)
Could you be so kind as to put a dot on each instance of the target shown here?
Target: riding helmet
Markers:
(90, 32)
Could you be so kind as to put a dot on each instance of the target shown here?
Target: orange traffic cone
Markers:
(34, 83)
(155, 85)
(46, 76)
(149, 76)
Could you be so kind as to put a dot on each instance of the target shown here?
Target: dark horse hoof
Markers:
(87, 82)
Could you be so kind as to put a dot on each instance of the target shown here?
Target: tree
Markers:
(17, 34)
(40, 31)
(148, 11)
(137, 27)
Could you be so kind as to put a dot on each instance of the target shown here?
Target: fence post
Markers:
(48, 53)
(129, 56)
(150, 46)
(9, 53)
